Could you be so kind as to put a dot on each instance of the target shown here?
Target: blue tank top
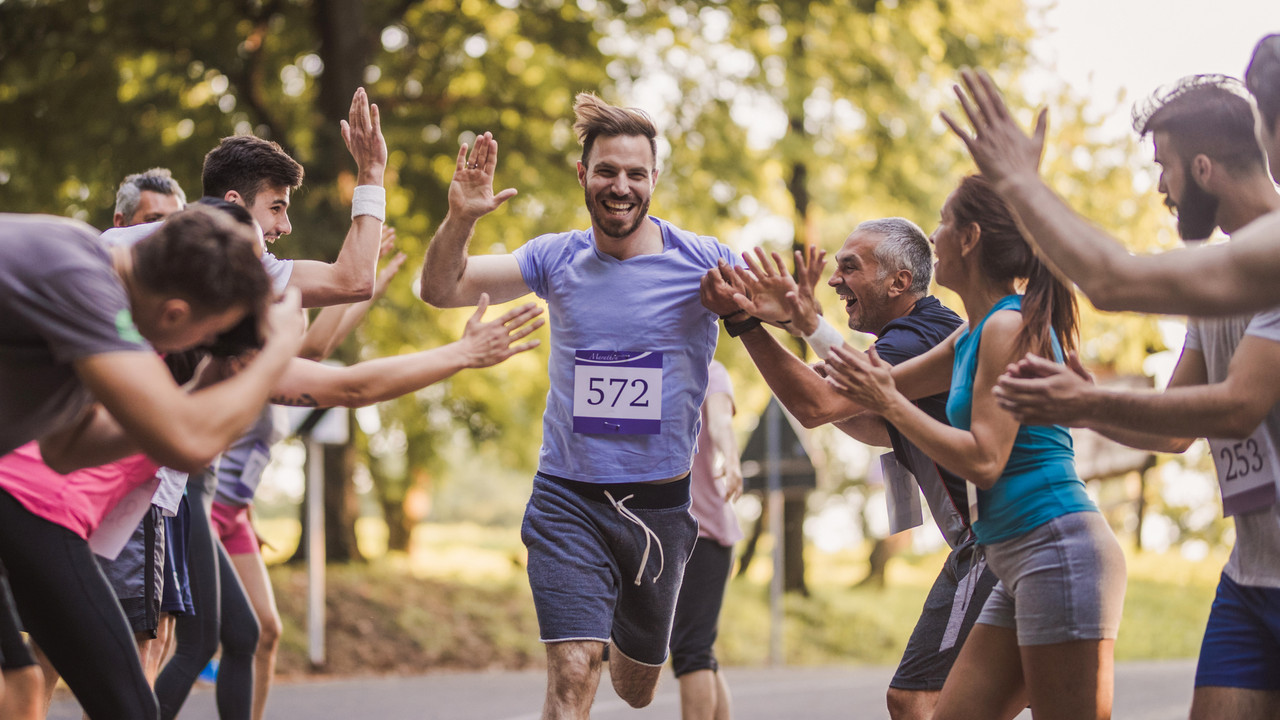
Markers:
(1039, 482)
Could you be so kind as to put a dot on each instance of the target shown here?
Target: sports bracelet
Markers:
(824, 338)
(369, 200)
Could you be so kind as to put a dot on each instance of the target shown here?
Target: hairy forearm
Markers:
(1178, 412)
(1144, 440)
(804, 393)
(446, 261)
(1072, 246)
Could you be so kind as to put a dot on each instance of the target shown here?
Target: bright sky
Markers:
(1102, 46)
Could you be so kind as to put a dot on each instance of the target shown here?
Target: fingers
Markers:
(958, 131)
(481, 305)
(504, 196)
(520, 315)
(462, 158)
(778, 263)
(991, 98)
(974, 115)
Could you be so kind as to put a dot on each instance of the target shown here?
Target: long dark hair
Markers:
(1049, 307)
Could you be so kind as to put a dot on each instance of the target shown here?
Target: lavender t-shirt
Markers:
(646, 305)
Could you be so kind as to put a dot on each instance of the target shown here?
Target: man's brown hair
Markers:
(595, 117)
(247, 164)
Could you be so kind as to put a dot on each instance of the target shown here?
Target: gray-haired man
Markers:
(147, 197)
(882, 273)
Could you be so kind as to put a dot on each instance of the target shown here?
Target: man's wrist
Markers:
(806, 323)
(738, 327)
(1017, 182)
(371, 175)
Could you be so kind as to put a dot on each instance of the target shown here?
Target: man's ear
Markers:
(117, 220)
(899, 282)
(234, 197)
(582, 174)
(1202, 170)
(174, 311)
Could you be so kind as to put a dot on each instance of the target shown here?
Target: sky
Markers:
(1100, 47)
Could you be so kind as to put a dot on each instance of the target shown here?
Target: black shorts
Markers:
(693, 635)
(949, 613)
(14, 652)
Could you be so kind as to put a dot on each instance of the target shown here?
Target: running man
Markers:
(1244, 270)
(1224, 386)
(882, 273)
(608, 526)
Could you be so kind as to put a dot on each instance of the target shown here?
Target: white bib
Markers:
(1245, 472)
(617, 393)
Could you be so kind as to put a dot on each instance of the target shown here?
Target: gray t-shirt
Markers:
(60, 300)
(278, 270)
(1253, 559)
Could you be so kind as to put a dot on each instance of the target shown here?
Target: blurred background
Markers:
(783, 124)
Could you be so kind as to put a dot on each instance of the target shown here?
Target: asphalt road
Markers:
(1144, 691)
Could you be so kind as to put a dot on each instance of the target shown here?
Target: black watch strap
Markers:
(738, 327)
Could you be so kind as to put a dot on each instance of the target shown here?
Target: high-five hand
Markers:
(489, 343)
(362, 132)
(471, 193)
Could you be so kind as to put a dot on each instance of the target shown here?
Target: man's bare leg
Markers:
(24, 697)
(912, 704)
(634, 682)
(573, 674)
(1236, 703)
(704, 695)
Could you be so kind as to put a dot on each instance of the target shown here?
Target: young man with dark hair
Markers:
(147, 197)
(1224, 386)
(261, 176)
(1243, 271)
(608, 526)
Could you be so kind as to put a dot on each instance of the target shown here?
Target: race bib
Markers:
(617, 393)
(1246, 472)
(901, 495)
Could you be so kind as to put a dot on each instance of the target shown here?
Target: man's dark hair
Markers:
(157, 180)
(205, 257)
(1263, 79)
(247, 164)
(1204, 114)
(595, 117)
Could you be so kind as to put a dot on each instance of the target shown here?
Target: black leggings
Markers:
(223, 614)
(71, 612)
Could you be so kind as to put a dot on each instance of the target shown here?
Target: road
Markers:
(1144, 691)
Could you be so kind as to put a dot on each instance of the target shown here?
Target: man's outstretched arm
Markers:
(449, 277)
(1243, 273)
(350, 278)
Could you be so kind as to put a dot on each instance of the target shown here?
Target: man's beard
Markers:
(1197, 211)
(601, 218)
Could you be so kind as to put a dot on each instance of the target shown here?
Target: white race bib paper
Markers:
(617, 392)
(1245, 472)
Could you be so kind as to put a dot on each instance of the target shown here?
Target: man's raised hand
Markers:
(489, 343)
(471, 193)
(1002, 151)
(362, 132)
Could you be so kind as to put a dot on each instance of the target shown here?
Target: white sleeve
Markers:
(128, 236)
(1192, 339)
(278, 270)
(1265, 325)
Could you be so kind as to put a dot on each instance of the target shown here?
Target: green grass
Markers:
(460, 599)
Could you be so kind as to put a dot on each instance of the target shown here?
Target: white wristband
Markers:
(824, 338)
(369, 200)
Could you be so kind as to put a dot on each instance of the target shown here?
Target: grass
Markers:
(459, 600)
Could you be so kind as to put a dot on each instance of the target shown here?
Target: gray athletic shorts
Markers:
(137, 573)
(1062, 581)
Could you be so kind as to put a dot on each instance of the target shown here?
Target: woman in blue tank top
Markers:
(1046, 635)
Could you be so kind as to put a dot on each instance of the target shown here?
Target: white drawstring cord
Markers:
(649, 537)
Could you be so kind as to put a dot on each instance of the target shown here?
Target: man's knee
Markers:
(573, 668)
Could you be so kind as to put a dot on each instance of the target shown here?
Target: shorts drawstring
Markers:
(650, 537)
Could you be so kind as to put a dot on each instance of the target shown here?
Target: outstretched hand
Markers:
(471, 193)
(489, 343)
(767, 284)
(864, 378)
(999, 147)
(802, 304)
(1038, 391)
(717, 289)
(362, 132)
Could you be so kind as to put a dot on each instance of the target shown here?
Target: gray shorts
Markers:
(1062, 581)
(601, 569)
(137, 573)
